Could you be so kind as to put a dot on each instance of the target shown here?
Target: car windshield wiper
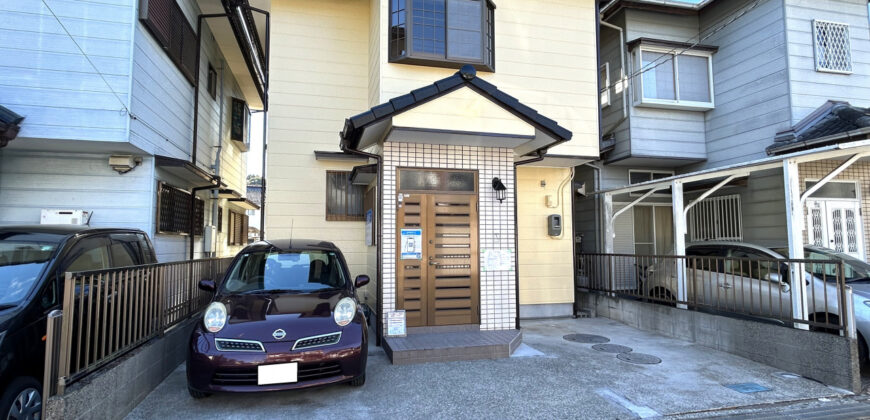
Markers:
(4, 306)
(859, 280)
(269, 291)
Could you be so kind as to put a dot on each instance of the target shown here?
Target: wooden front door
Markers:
(442, 287)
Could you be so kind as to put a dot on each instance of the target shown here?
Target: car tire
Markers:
(358, 381)
(197, 395)
(23, 397)
(863, 356)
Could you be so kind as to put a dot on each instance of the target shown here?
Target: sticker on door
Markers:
(412, 244)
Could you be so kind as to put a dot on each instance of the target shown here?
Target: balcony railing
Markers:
(757, 288)
(107, 313)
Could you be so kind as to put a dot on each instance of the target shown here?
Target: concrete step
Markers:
(452, 346)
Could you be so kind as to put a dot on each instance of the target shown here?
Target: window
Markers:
(89, 254)
(237, 228)
(653, 230)
(173, 211)
(444, 33)
(636, 176)
(239, 128)
(212, 82)
(172, 31)
(125, 250)
(834, 189)
(716, 218)
(344, 201)
(604, 84)
(832, 47)
(220, 219)
(435, 180)
(673, 80)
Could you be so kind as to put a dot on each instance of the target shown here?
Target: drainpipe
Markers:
(192, 208)
(538, 158)
(217, 160)
(379, 323)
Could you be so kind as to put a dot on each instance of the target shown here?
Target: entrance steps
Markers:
(447, 344)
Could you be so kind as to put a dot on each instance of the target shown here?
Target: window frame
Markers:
(604, 90)
(173, 33)
(487, 41)
(650, 171)
(638, 98)
(816, 47)
(237, 228)
(344, 217)
(211, 82)
(198, 213)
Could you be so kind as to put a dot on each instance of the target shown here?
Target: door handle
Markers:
(433, 262)
(725, 286)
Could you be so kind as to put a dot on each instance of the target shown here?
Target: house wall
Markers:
(614, 119)
(545, 55)
(585, 217)
(46, 78)
(316, 82)
(810, 88)
(546, 264)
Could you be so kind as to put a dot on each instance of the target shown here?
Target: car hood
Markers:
(861, 289)
(257, 317)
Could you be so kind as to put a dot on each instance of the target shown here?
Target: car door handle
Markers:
(725, 286)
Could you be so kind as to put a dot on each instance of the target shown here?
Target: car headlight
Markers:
(215, 317)
(344, 311)
(866, 302)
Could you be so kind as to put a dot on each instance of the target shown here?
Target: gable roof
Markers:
(832, 122)
(465, 77)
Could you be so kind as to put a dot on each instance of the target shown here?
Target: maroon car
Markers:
(285, 316)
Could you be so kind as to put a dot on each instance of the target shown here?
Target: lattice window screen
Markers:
(716, 218)
(832, 47)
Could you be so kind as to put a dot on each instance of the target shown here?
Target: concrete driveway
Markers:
(548, 377)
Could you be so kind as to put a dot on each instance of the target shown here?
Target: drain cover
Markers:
(639, 358)
(586, 338)
(748, 387)
(612, 348)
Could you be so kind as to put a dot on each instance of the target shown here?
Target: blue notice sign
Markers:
(411, 244)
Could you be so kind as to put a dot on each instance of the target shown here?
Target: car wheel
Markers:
(22, 400)
(862, 350)
(197, 394)
(662, 296)
(359, 380)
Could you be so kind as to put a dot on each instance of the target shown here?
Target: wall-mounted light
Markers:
(499, 188)
(124, 163)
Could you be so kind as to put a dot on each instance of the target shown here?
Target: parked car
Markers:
(33, 260)
(748, 278)
(285, 316)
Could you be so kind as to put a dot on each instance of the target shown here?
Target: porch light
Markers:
(499, 189)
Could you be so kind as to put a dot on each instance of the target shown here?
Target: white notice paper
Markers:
(497, 259)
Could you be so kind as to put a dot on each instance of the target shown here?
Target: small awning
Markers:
(833, 122)
(364, 174)
(185, 170)
(244, 203)
(347, 157)
(229, 193)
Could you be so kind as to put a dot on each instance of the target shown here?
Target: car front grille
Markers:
(226, 344)
(248, 376)
(317, 341)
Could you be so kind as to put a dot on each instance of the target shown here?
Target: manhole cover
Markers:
(639, 358)
(586, 338)
(748, 387)
(612, 348)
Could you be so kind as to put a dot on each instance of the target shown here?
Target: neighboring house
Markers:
(107, 91)
(420, 188)
(751, 103)
(255, 195)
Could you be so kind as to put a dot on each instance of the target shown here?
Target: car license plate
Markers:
(276, 374)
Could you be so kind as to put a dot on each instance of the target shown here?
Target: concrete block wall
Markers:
(114, 390)
(827, 358)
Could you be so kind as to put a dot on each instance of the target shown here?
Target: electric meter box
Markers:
(64, 217)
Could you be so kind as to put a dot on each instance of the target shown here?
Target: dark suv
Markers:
(33, 260)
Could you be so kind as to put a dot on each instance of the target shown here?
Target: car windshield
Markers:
(285, 272)
(854, 269)
(21, 262)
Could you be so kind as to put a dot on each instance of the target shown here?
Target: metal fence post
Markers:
(849, 314)
(52, 355)
(66, 332)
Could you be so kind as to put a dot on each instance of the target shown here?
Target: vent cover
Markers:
(225, 344)
(317, 341)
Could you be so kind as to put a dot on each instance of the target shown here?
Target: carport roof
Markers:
(465, 77)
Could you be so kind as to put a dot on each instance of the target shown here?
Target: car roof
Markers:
(67, 230)
(764, 249)
(295, 245)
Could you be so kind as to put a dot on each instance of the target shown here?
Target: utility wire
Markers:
(674, 51)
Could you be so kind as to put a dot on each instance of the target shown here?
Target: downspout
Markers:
(215, 221)
(192, 209)
(538, 158)
(379, 323)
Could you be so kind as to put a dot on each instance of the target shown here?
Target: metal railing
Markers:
(107, 313)
(760, 288)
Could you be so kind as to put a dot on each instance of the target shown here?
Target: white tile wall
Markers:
(497, 288)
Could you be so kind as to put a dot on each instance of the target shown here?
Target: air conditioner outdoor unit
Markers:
(65, 217)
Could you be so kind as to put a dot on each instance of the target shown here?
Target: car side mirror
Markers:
(207, 285)
(361, 280)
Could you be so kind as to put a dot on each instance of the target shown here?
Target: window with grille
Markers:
(444, 33)
(167, 23)
(173, 211)
(832, 47)
(237, 228)
(344, 201)
(716, 218)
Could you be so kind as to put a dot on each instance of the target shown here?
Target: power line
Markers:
(673, 51)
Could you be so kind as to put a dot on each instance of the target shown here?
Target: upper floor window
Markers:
(832, 48)
(172, 31)
(443, 33)
(673, 78)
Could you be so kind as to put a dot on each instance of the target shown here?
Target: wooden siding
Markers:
(810, 88)
(319, 78)
(46, 78)
(649, 24)
(750, 81)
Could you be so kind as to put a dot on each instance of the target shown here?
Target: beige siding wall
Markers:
(545, 56)
(319, 77)
(545, 263)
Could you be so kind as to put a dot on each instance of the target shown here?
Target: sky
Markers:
(255, 154)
